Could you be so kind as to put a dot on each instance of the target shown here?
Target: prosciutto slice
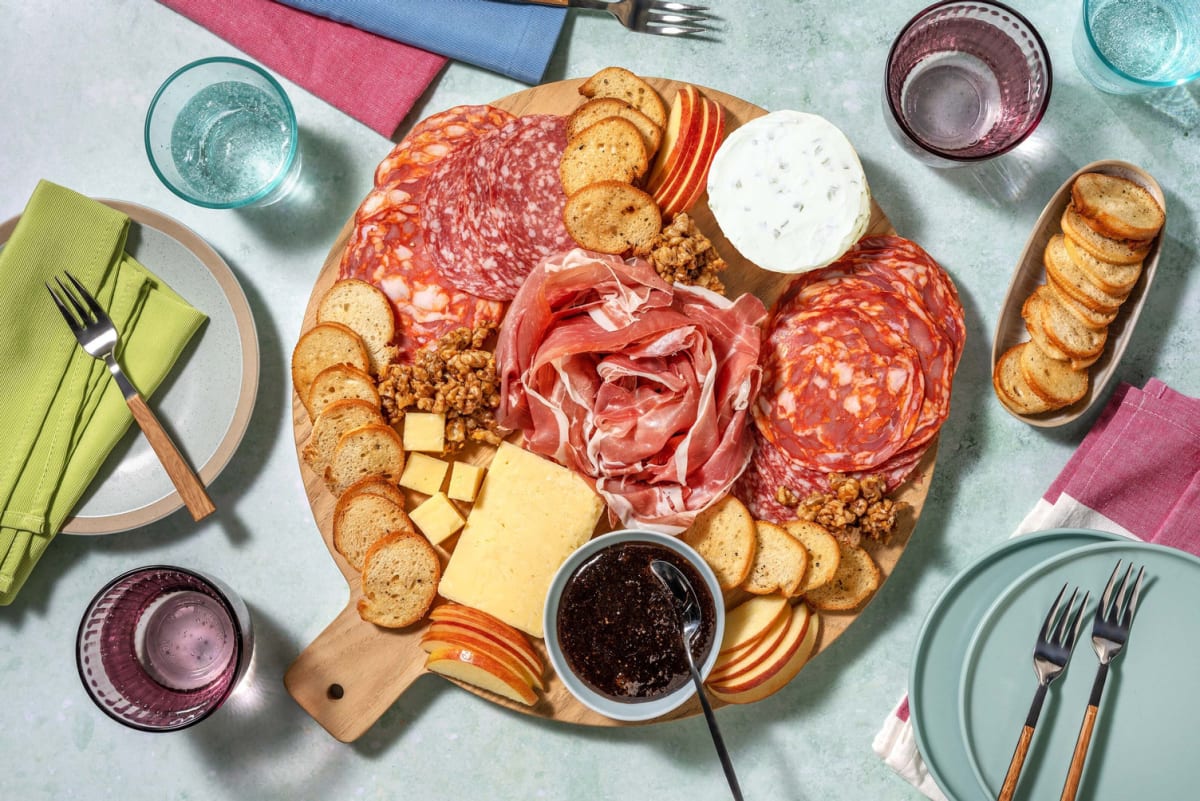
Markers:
(643, 387)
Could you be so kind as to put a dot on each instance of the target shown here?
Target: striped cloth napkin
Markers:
(1136, 473)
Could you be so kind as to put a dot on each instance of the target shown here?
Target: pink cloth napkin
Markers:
(1136, 473)
(373, 79)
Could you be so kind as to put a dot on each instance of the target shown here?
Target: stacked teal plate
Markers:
(1143, 744)
(942, 648)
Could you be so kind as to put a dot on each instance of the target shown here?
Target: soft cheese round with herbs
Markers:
(789, 192)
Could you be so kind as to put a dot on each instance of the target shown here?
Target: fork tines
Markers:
(1119, 610)
(82, 313)
(1069, 623)
(676, 19)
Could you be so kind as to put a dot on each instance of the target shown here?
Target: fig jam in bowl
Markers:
(612, 630)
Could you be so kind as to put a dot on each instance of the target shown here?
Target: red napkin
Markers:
(374, 80)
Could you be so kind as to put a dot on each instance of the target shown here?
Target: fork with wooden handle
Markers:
(97, 335)
(1114, 616)
(1055, 641)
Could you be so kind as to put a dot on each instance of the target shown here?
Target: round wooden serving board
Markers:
(349, 676)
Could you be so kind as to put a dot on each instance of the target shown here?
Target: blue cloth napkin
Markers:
(513, 40)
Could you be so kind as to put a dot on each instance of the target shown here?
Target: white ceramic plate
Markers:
(206, 401)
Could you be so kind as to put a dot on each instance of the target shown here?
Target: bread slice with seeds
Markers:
(1118, 251)
(362, 518)
(621, 83)
(611, 217)
(780, 561)
(1011, 387)
(1055, 382)
(724, 536)
(855, 581)
(609, 150)
(1117, 207)
(601, 107)
(823, 552)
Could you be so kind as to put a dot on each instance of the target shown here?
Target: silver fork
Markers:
(1114, 617)
(98, 337)
(1055, 642)
(645, 16)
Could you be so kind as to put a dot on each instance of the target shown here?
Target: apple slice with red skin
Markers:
(750, 620)
(492, 626)
(683, 126)
(682, 189)
(451, 635)
(767, 647)
(772, 674)
(480, 670)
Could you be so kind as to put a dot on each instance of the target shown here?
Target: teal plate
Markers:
(941, 646)
(1143, 744)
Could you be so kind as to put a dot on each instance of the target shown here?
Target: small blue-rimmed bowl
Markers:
(632, 710)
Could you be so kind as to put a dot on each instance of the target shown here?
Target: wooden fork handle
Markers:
(1075, 773)
(1018, 761)
(182, 476)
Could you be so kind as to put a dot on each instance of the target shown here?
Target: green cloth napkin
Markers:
(62, 412)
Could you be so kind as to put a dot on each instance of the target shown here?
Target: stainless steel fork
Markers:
(97, 335)
(645, 16)
(1055, 641)
(1114, 617)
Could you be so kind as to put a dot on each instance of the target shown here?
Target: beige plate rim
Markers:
(1030, 272)
(235, 427)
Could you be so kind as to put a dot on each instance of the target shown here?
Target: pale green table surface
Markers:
(77, 79)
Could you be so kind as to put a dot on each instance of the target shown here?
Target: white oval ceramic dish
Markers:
(630, 710)
(1030, 272)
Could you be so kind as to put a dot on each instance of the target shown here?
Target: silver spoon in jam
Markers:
(688, 612)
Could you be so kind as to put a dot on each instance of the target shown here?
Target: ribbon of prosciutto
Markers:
(642, 386)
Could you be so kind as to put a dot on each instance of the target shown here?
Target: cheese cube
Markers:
(424, 431)
(529, 516)
(423, 473)
(464, 481)
(437, 518)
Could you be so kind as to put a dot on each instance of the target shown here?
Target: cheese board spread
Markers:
(632, 387)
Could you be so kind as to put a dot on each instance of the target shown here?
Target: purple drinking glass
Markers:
(161, 648)
(965, 82)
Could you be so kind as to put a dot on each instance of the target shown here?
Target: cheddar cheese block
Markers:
(529, 516)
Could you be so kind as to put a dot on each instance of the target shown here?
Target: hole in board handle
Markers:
(335, 692)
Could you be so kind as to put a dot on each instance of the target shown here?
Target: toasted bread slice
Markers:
(1118, 251)
(1054, 381)
(362, 518)
(611, 217)
(780, 561)
(1067, 333)
(1011, 387)
(1115, 279)
(1074, 281)
(1089, 317)
(725, 536)
(325, 345)
(609, 150)
(400, 576)
(823, 552)
(371, 450)
(363, 308)
(1117, 207)
(377, 485)
(1031, 313)
(601, 107)
(623, 84)
(335, 420)
(340, 382)
(855, 581)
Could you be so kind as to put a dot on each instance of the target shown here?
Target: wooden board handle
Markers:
(1075, 774)
(182, 476)
(349, 676)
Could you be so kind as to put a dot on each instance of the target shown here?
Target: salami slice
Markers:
(493, 211)
(858, 362)
(445, 129)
